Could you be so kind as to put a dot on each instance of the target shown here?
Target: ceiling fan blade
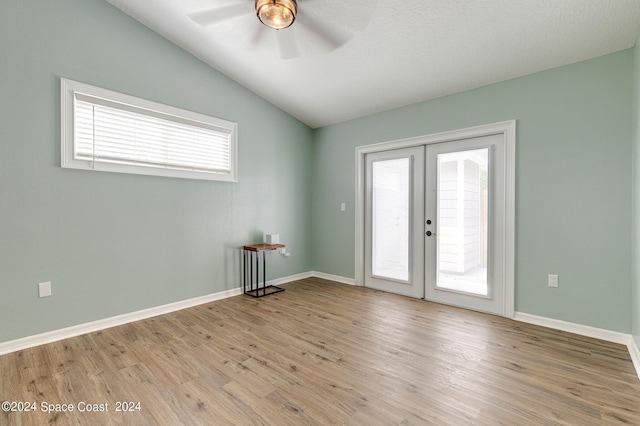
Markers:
(285, 40)
(260, 33)
(332, 39)
(287, 44)
(220, 14)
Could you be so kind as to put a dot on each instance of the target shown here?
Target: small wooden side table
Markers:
(251, 277)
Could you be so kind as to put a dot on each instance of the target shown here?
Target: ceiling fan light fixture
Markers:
(277, 14)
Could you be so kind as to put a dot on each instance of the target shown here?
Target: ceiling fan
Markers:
(315, 21)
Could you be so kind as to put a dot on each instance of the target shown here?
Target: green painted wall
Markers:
(635, 296)
(115, 243)
(573, 215)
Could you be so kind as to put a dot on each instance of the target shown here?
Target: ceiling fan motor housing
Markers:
(277, 14)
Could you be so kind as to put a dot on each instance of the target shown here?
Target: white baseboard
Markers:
(634, 351)
(77, 330)
(90, 327)
(585, 330)
(336, 278)
(284, 280)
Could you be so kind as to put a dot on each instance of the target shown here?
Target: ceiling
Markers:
(343, 59)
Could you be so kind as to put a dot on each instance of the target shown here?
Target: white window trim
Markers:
(68, 89)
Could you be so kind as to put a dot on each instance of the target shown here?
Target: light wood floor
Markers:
(322, 353)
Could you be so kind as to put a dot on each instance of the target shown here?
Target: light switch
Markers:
(44, 289)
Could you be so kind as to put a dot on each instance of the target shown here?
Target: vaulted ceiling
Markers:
(343, 59)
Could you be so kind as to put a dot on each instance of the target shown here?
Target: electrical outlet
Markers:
(343, 207)
(553, 280)
(284, 252)
(44, 289)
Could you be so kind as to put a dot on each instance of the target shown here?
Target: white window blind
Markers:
(115, 132)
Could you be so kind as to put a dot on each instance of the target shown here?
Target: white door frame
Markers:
(508, 130)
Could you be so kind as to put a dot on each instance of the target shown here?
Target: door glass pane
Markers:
(462, 235)
(390, 218)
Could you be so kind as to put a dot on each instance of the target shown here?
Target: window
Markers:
(109, 131)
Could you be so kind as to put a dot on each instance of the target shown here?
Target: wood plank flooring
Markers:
(323, 353)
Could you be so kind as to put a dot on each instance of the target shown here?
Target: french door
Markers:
(433, 222)
(394, 213)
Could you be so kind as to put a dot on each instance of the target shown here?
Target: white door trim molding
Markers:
(506, 128)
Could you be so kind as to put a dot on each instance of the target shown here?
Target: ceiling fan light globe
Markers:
(277, 14)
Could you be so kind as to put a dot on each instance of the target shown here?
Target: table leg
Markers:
(264, 273)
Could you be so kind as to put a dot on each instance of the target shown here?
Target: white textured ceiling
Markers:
(344, 59)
